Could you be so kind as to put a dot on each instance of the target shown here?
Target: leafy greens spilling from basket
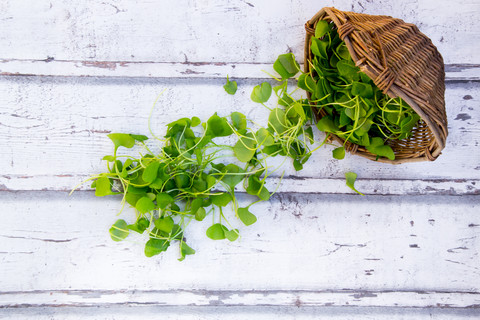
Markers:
(198, 168)
(195, 174)
(351, 106)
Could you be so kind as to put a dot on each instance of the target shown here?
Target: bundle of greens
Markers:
(194, 175)
(186, 180)
(353, 108)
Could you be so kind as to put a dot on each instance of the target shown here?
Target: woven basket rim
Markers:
(394, 90)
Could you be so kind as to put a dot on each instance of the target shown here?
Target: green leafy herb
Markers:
(351, 177)
(261, 93)
(286, 66)
(217, 231)
(339, 153)
(230, 87)
(191, 177)
(246, 216)
(354, 109)
(119, 230)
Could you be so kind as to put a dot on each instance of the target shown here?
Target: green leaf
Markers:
(185, 250)
(139, 137)
(339, 153)
(246, 216)
(232, 235)
(365, 78)
(177, 126)
(272, 149)
(351, 177)
(218, 127)
(233, 175)
(109, 158)
(134, 190)
(200, 214)
(307, 83)
(380, 149)
(144, 205)
(217, 232)
(140, 226)
(285, 100)
(122, 140)
(182, 180)
(297, 165)
(363, 90)
(230, 87)
(157, 184)
(277, 121)
(409, 122)
(309, 134)
(239, 120)
(132, 198)
(257, 188)
(348, 70)
(321, 28)
(286, 66)
(297, 106)
(211, 182)
(151, 171)
(344, 118)
(164, 224)
(244, 149)
(103, 187)
(221, 199)
(264, 137)
(156, 246)
(261, 93)
(177, 232)
(119, 230)
(195, 205)
(319, 48)
(163, 200)
(195, 121)
(326, 124)
(342, 51)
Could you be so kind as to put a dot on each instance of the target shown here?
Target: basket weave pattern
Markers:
(402, 62)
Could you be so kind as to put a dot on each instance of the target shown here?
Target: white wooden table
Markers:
(71, 72)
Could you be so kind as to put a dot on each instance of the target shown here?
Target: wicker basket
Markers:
(402, 62)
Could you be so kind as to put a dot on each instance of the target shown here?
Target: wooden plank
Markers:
(207, 31)
(315, 243)
(240, 298)
(231, 313)
(55, 134)
(132, 69)
(288, 184)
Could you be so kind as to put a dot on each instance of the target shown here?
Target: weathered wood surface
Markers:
(70, 73)
(65, 122)
(207, 31)
(57, 251)
(234, 313)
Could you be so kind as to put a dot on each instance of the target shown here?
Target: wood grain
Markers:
(132, 69)
(208, 31)
(241, 298)
(55, 134)
(231, 313)
(300, 242)
(71, 73)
